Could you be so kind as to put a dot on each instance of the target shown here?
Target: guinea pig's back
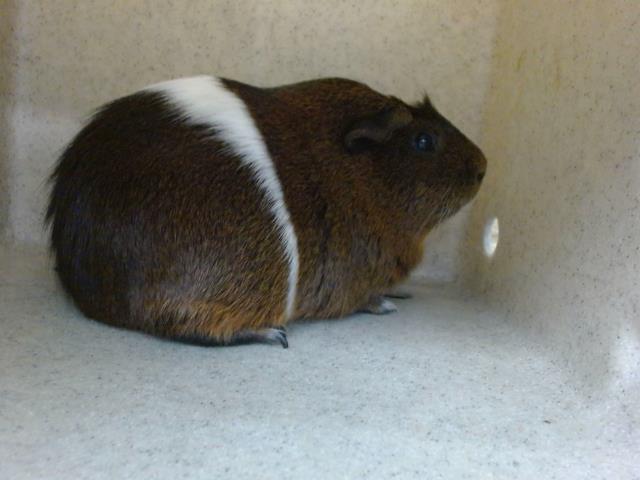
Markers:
(156, 217)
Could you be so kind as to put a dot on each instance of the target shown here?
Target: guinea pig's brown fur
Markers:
(161, 223)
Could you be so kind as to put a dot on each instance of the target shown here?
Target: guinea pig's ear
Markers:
(377, 128)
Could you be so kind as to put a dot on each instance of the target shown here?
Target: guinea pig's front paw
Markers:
(276, 335)
(379, 305)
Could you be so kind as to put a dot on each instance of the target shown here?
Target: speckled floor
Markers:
(442, 389)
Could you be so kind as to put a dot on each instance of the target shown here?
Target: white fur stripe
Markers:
(205, 100)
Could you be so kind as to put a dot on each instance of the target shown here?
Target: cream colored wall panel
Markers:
(72, 56)
(562, 132)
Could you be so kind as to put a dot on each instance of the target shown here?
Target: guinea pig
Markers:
(213, 212)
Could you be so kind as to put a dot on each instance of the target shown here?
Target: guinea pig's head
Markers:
(424, 162)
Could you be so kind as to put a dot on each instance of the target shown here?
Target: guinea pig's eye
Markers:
(425, 142)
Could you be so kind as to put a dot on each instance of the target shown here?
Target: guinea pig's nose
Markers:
(481, 165)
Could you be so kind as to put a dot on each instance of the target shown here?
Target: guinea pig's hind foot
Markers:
(378, 305)
(275, 335)
(399, 294)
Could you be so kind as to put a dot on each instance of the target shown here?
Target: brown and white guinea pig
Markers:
(214, 212)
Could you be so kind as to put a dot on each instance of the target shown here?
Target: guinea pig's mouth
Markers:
(452, 200)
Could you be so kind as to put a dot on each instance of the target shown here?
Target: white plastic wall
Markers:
(561, 130)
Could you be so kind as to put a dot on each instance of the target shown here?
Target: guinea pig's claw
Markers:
(273, 335)
(276, 335)
(379, 306)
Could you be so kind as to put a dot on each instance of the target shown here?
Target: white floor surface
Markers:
(443, 389)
